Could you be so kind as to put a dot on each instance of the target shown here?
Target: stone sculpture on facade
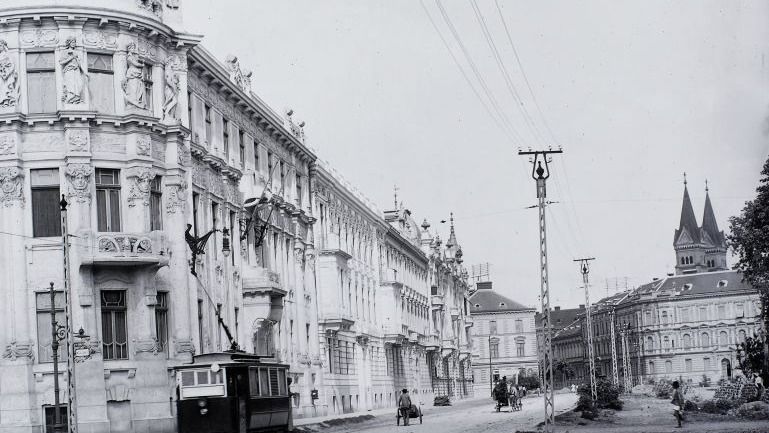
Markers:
(7, 145)
(176, 196)
(140, 186)
(143, 145)
(171, 95)
(11, 183)
(79, 176)
(240, 78)
(133, 84)
(73, 74)
(9, 78)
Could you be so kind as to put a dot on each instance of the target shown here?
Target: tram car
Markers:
(232, 392)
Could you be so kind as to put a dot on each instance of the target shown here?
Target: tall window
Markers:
(147, 77)
(156, 204)
(43, 306)
(214, 225)
(394, 360)
(518, 325)
(189, 113)
(101, 82)
(687, 341)
(232, 235)
(195, 206)
(226, 139)
(41, 83)
(520, 346)
(494, 349)
(299, 191)
(108, 199)
(242, 147)
(200, 325)
(668, 367)
(114, 324)
(50, 417)
(688, 365)
(45, 202)
(722, 312)
(161, 320)
(269, 166)
(282, 175)
(705, 340)
(208, 124)
(341, 356)
(703, 313)
(492, 327)
(256, 156)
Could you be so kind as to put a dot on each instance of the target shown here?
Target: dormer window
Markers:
(501, 304)
(688, 286)
(722, 283)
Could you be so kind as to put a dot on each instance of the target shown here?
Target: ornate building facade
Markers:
(685, 325)
(376, 332)
(145, 133)
(504, 337)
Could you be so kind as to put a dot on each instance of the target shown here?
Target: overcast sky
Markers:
(636, 93)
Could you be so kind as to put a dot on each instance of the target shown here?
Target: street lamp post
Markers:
(491, 379)
(57, 333)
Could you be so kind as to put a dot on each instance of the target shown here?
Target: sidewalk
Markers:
(367, 415)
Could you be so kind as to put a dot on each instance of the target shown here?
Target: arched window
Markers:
(742, 336)
(687, 341)
(723, 338)
(651, 367)
(650, 344)
(664, 317)
(705, 340)
(668, 367)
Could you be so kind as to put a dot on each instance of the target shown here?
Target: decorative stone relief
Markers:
(9, 78)
(78, 140)
(73, 74)
(310, 259)
(133, 83)
(240, 78)
(143, 145)
(176, 196)
(40, 38)
(171, 95)
(299, 255)
(79, 177)
(147, 346)
(11, 184)
(140, 179)
(154, 6)
(100, 40)
(176, 62)
(15, 350)
(183, 156)
(7, 144)
(184, 346)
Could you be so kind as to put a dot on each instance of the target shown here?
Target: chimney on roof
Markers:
(581, 306)
(557, 308)
(483, 285)
(655, 279)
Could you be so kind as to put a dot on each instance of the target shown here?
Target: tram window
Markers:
(264, 381)
(188, 378)
(282, 382)
(253, 380)
(203, 377)
(274, 381)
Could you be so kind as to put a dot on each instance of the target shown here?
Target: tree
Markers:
(751, 357)
(749, 239)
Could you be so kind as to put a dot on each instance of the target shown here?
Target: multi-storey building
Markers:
(450, 342)
(686, 325)
(569, 360)
(144, 133)
(504, 337)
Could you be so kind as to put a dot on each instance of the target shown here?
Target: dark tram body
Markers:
(232, 392)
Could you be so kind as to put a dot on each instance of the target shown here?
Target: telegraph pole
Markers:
(71, 401)
(626, 359)
(585, 269)
(614, 373)
(540, 175)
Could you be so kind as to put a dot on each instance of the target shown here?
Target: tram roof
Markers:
(229, 358)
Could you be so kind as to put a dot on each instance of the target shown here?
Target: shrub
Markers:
(718, 406)
(690, 406)
(607, 397)
(705, 382)
(754, 410)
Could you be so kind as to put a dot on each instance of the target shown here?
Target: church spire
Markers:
(688, 220)
(709, 224)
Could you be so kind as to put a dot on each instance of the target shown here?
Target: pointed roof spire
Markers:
(688, 220)
(452, 236)
(709, 224)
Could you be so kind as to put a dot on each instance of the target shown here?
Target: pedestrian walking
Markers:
(404, 405)
(678, 404)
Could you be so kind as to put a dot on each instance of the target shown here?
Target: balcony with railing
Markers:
(122, 249)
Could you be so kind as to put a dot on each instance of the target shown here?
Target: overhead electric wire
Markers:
(464, 75)
(475, 69)
(523, 74)
(505, 73)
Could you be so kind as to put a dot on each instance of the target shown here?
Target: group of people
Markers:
(508, 394)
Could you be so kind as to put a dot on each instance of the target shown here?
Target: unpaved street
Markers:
(477, 416)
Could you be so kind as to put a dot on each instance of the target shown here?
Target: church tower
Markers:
(698, 249)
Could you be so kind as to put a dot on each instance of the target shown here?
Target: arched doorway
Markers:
(726, 368)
